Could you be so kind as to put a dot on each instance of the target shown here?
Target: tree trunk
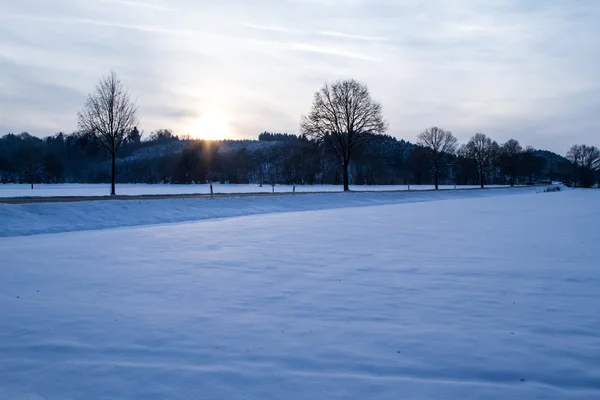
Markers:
(481, 176)
(436, 178)
(113, 175)
(31, 185)
(346, 179)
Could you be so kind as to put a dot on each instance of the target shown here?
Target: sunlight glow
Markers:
(212, 125)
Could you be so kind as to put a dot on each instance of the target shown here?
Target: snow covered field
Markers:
(481, 297)
(29, 219)
(69, 190)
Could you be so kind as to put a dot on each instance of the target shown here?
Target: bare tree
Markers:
(480, 148)
(33, 171)
(440, 142)
(589, 157)
(586, 161)
(343, 116)
(31, 165)
(108, 118)
(509, 158)
(574, 155)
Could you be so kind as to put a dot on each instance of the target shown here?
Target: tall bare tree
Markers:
(480, 148)
(108, 118)
(590, 156)
(575, 155)
(343, 116)
(440, 142)
(509, 158)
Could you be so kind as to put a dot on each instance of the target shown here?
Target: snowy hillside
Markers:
(480, 298)
(155, 152)
(174, 148)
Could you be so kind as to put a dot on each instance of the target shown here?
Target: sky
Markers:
(524, 69)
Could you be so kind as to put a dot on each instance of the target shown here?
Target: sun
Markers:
(211, 125)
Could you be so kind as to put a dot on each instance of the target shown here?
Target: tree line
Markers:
(342, 141)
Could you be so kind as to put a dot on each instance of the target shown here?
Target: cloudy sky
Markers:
(527, 69)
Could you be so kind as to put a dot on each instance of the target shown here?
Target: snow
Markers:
(29, 219)
(77, 189)
(488, 297)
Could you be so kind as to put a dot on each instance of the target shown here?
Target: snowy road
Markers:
(473, 298)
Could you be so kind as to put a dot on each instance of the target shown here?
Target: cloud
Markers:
(332, 51)
(268, 28)
(296, 31)
(513, 69)
(109, 24)
(352, 36)
(140, 4)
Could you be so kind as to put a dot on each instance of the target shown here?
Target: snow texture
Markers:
(471, 298)
(97, 190)
(30, 219)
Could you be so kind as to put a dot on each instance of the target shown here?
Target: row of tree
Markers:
(344, 118)
(342, 140)
(164, 157)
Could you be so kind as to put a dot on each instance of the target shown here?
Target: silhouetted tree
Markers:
(480, 148)
(343, 116)
(589, 163)
(532, 164)
(466, 167)
(509, 159)
(162, 136)
(195, 161)
(440, 143)
(276, 137)
(6, 169)
(574, 155)
(135, 136)
(586, 162)
(108, 117)
(53, 169)
(31, 165)
(419, 164)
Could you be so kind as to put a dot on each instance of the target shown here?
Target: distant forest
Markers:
(276, 158)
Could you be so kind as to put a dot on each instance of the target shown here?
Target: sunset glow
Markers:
(211, 125)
